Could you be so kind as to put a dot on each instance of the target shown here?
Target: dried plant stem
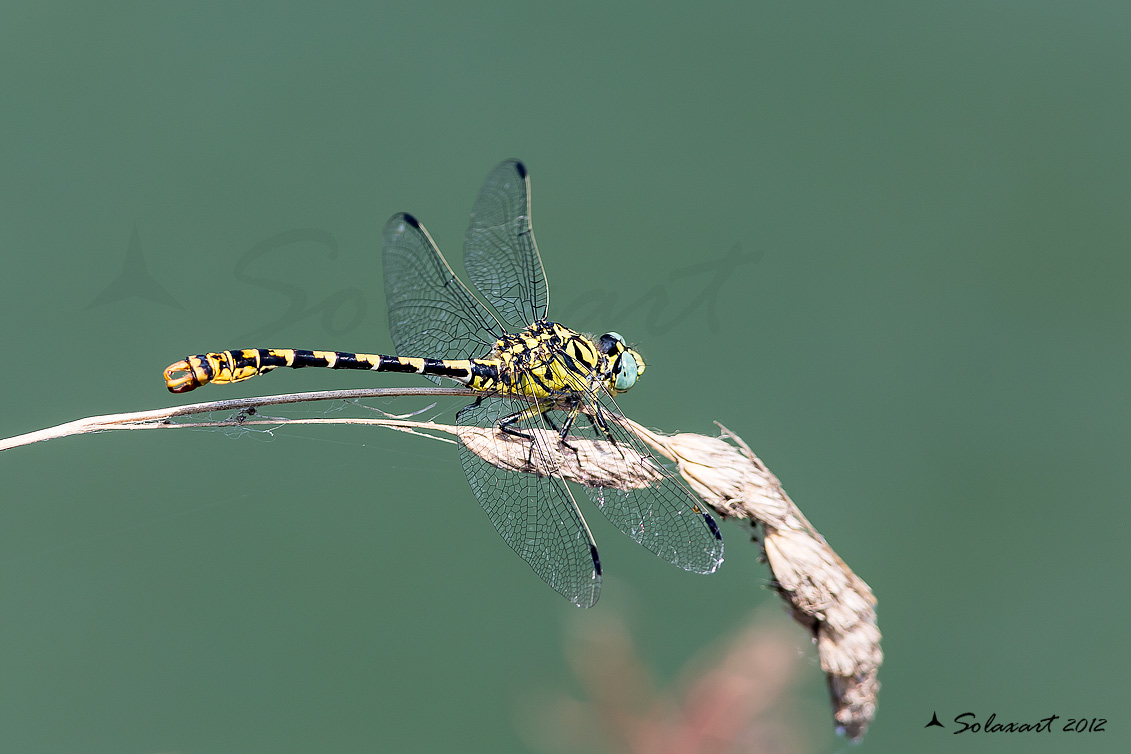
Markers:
(822, 592)
(160, 418)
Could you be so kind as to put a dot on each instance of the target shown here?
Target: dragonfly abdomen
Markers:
(243, 364)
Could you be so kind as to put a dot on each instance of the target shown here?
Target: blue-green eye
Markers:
(626, 371)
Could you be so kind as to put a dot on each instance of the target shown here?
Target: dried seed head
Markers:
(594, 463)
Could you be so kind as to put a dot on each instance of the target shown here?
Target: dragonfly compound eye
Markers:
(611, 343)
(626, 370)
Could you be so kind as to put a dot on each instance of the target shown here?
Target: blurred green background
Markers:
(925, 338)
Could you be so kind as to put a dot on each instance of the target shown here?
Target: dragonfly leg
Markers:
(597, 420)
(506, 424)
(570, 402)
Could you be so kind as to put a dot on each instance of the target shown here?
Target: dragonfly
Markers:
(537, 383)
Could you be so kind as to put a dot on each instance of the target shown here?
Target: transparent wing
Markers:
(664, 516)
(432, 314)
(499, 251)
(536, 515)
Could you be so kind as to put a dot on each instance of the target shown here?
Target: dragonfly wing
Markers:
(536, 515)
(499, 251)
(664, 516)
(432, 314)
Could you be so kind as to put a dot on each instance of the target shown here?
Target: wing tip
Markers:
(714, 552)
(713, 525)
(396, 223)
(588, 598)
(717, 552)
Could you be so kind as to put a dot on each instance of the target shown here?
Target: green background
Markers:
(927, 343)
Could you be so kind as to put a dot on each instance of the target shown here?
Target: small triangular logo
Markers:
(134, 281)
(934, 721)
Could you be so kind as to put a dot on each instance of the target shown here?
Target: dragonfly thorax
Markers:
(548, 359)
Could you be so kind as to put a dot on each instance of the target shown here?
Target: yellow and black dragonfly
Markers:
(538, 379)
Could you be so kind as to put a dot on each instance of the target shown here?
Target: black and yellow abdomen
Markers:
(238, 365)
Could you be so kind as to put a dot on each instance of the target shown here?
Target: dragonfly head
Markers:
(625, 364)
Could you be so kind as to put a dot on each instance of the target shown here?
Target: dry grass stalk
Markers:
(594, 463)
(823, 593)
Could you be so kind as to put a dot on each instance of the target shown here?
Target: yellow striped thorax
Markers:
(547, 359)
